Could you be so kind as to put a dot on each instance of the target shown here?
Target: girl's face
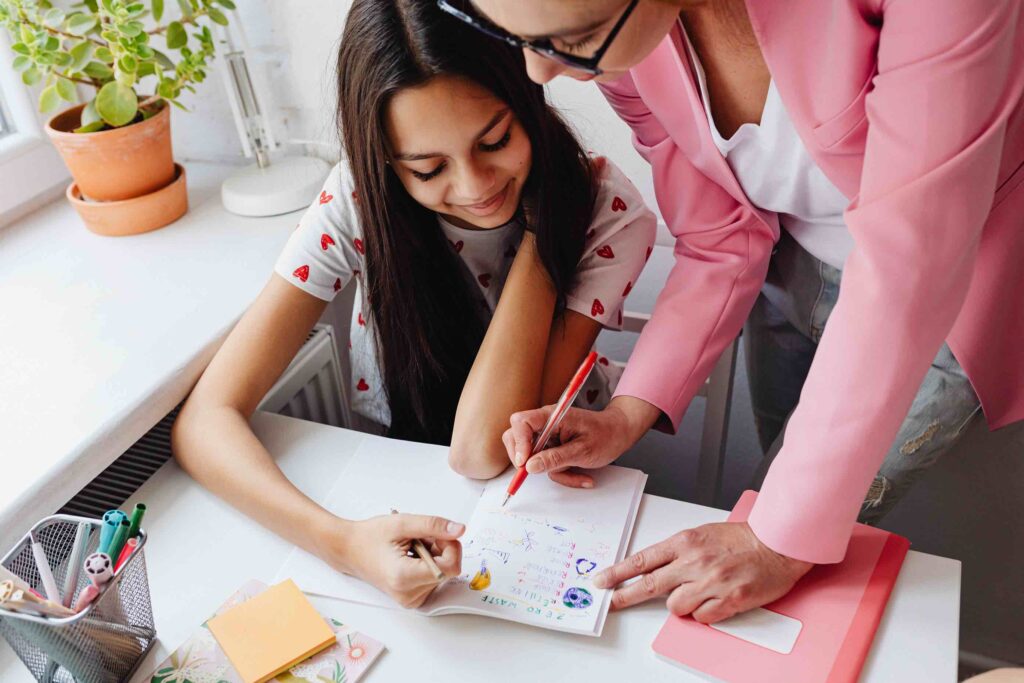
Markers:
(580, 27)
(459, 151)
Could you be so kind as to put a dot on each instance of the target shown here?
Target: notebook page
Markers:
(384, 474)
(533, 561)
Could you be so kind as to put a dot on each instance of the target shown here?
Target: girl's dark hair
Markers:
(428, 319)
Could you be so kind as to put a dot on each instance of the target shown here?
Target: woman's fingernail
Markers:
(454, 528)
(599, 581)
(519, 458)
(534, 466)
(588, 484)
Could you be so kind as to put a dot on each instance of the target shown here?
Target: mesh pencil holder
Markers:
(105, 642)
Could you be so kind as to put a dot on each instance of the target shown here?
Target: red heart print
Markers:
(649, 250)
(602, 360)
(337, 284)
(362, 385)
(606, 252)
(597, 308)
(591, 395)
(324, 197)
(359, 245)
(485, 279)
(356, 273)
(360, 319)
(628, 289)
(355, 197)
(618, 204)
(325, 241)
(457, 246)
(302, 272)
(590, 235)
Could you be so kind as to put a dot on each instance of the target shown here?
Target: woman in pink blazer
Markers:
(913, 112)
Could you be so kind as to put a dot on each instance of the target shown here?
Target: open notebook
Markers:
(532, 561)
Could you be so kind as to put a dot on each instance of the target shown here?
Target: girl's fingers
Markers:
(523, 426)
(572, 478)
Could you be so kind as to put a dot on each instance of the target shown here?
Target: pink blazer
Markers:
(914, 111)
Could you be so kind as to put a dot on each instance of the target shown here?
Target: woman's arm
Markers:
(523, 357)
(213, 442)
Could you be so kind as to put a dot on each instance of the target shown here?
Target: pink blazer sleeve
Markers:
(948, 76)
(722, 251)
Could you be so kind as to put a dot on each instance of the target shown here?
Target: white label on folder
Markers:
(763, 627)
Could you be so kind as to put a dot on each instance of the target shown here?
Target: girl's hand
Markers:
(585, 438)
(376, 550)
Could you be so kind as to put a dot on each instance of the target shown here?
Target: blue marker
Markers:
(111, 522)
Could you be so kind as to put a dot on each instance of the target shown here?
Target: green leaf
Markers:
(146, 69)
(62, 59)
(27, 36)
(158, 9)
(131, 29)
(99, 71)
(91, 127)
(217, 16)
(128, 63)
(54, 18)
(80, 55)
(21, 62)
(125, 78)
(20, 48)
(225, 3)
(145, 52)
(176, 36)
(186, 7)
(109, 6)
(163, 60)
(89, 114)
(104, 54)
(80, 24)
(117, 104)
(49, 99)
(66, 90)
(31, 76)
(167, 89)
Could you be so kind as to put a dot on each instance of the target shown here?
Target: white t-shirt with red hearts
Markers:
(326, 251)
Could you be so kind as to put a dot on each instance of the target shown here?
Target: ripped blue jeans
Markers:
(780, 338)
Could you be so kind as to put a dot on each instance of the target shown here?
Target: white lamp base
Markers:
(288, 184)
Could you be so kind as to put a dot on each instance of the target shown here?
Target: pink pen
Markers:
(129, 547)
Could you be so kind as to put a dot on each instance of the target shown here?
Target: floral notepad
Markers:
(200, 659)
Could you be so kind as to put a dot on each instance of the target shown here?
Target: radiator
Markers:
(310, 388)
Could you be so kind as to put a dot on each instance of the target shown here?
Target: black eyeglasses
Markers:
(543, 46)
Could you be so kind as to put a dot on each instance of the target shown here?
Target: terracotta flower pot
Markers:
(116, 164)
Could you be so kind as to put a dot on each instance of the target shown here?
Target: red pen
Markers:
(126, 552)
(561, 408)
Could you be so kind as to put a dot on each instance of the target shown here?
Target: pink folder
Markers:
(838, 605)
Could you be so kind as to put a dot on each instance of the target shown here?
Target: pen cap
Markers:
(107, 531)
(99, 568)
(136, 519)
(120, 536)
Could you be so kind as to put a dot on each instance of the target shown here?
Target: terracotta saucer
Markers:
(137, 215)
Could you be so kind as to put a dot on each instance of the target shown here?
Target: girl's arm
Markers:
(525, 360)
(213, 442)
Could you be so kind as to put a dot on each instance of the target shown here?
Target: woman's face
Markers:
(459, 151)
(579, 27)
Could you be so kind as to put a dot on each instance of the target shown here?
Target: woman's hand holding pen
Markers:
(377, 550)
(585, 438)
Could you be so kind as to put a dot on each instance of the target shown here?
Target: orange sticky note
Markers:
(271, 632)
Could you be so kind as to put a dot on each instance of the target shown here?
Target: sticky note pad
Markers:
(271, 632)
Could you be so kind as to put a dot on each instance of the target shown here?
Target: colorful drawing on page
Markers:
(558, 529)
(502, 555)
(577, 598)
(482, 579)
(585, 566)
(528, 540)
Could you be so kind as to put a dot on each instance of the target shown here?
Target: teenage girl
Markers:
(488, 250)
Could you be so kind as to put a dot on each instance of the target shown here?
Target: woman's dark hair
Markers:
(428, 320)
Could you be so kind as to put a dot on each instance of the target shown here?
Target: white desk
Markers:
(190, 574)
(100, 337)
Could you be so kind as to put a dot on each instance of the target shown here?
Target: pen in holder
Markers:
(107, 640)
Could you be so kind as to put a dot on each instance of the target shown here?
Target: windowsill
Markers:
(100, 337)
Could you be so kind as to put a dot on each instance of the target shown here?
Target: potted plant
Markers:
(135, 64)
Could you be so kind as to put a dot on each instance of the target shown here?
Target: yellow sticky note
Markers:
(271, 632)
